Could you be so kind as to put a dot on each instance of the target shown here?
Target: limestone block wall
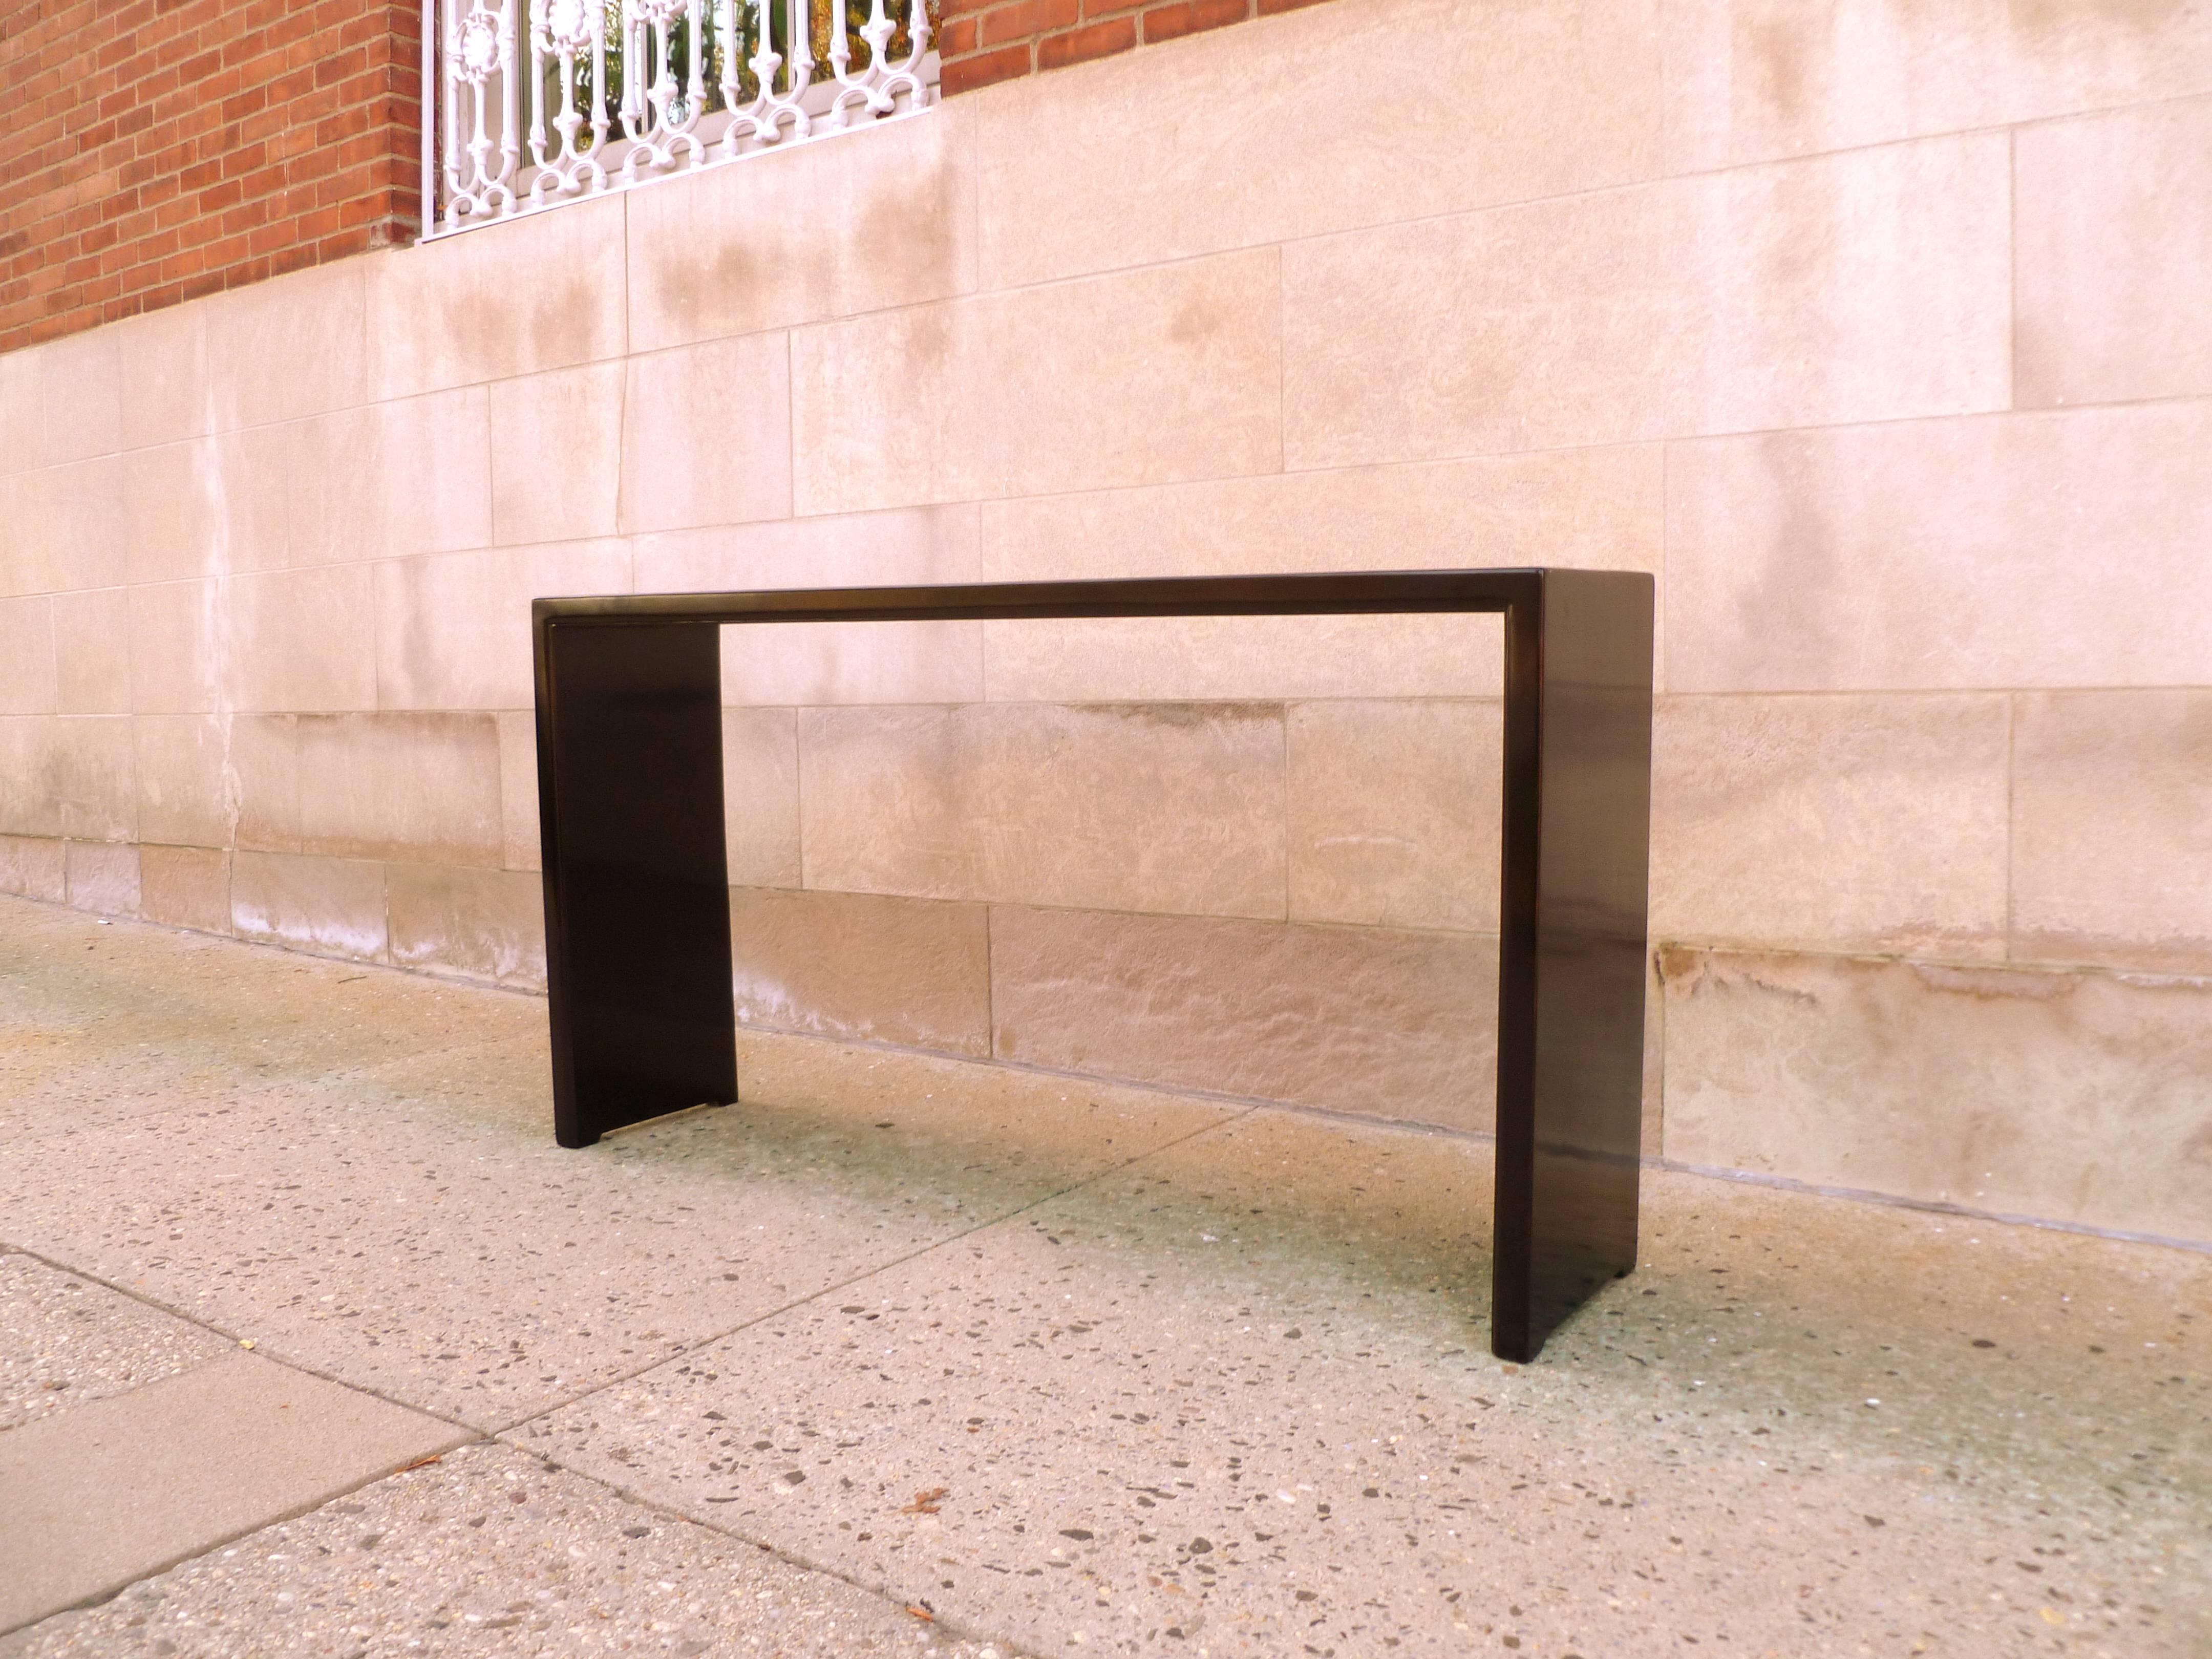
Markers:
(1875, 332)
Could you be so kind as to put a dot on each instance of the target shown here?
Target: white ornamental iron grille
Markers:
(580, 97)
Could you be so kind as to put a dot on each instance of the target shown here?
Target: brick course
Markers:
(984, 41)
(160, 149)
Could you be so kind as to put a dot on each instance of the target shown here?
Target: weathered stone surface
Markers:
(2111, 827)
(1569, 92)
(103, 876)
(34, 867)
(1389, 1023)
(856, 965)
(331, 906)
(1173, 372)
(1747, 80)
(743, 249)
(184, 887)
(1140, 807)
(185, 780)
(2074, 1096)
(1724, 303)
(1394, 812)
(482, 924)
(414, 786)
(2115, 231)
(1854, 821)
(760, 796)
(2043, 549)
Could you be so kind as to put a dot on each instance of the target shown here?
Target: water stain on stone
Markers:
(1186, 716)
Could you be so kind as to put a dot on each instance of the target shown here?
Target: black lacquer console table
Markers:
(629, 776)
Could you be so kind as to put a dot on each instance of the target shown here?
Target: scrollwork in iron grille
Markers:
(540, 102)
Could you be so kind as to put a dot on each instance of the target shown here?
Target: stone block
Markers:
(173, 517)
(1394, 812)
(298, 641)
(1872, 286)
(184, 887)
(1568, 95)
(1222, 659)
(518, 791)
(183, 766)
(391, 480)
(29, 684)
(263, 767)
(30, 774)
(1601, 509)
(327, 907)
(65, 528)
(293, 346)
(1749, 79)
(453, 631)
(91, 777)
(863, 967)
(413, 787)
(760, 796)
(903, 547)
(252, 481)
(2038, 549)
(162, 357)
(1832, 823)
(80, 378)
(824, 664)
(546, 292)
(479, 924)
(171, 656)
(94, 651)
(103, 878)
(1369, 1020)
(556, 454)
(34, 866)
(2111, 827)
(743, 250)
(2114, 238)
(707, 438)
(207, 507)
(2074, 1097)
(19, 414)
(334, 488)
(1174, 372)
(830, 662)
(1136, 806)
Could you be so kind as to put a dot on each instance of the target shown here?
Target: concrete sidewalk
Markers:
(312, 1341)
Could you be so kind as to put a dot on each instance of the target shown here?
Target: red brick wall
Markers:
(988, 40)
(154, 150)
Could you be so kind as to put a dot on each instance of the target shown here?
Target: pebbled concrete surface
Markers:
(489, 1552)
(92, 1498)
(1236, 1395)
(67, 1341)
(1088, 1369)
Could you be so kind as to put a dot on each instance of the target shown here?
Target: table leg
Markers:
(1572, 948)
(637, 918)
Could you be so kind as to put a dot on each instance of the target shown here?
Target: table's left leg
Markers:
(637, 920)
